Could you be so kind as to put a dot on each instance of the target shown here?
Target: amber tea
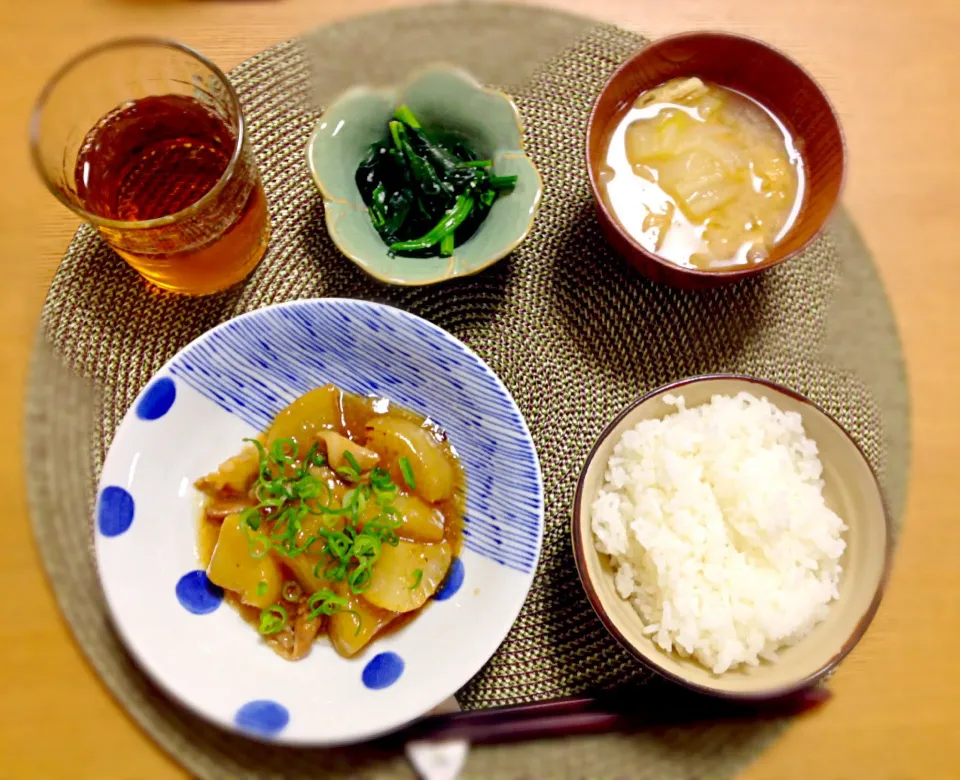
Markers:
(157, 156)
(166, 175)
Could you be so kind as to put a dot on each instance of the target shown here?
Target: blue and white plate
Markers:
(229, 384)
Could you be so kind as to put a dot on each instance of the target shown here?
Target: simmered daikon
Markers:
(316, 410)
(256, 580)
(407, 575)
(420, 521)
(396, 438)
(703, 176)
(353, 628)
(344, 515)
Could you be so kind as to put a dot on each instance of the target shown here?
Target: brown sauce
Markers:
(350, 416)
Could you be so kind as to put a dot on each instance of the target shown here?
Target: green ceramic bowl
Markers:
(441, 97)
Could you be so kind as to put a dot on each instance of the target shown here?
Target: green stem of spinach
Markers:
(502, 182)
(421, 169)
(447, 245)
(450, 222)
(396, 129)
(475, 164)
(377, 214)
(405, 115)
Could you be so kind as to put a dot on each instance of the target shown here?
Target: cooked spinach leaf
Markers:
(426, 192)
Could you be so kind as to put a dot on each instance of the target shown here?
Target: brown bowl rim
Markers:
(715, 276)
(595, 602)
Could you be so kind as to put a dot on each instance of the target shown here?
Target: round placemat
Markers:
(573, 333)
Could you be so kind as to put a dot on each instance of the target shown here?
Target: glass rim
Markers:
(121, 43)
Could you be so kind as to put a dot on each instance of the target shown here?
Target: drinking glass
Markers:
(145, 139)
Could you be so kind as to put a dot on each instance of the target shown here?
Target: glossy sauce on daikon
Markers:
(412, 516)
(703, 176)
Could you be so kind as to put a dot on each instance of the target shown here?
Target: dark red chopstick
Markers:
(586, 715)
(531, 727)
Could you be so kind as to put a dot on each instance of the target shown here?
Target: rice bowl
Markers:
(714, 519)
(849, 490)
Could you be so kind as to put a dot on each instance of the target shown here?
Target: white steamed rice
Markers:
(715, 522)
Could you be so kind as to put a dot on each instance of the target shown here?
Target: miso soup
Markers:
(703, 176)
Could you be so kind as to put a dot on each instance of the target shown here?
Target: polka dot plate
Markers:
(229, 384)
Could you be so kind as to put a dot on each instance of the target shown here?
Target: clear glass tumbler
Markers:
(145, 139)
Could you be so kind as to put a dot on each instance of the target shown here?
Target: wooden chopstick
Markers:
(588, 715)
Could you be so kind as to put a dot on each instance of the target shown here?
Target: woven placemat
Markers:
(572, 332)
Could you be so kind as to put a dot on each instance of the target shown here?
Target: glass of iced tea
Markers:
(145, 139)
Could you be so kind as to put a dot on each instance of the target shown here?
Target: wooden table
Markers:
(897, 705)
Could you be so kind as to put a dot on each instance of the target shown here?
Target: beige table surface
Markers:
(897, 704)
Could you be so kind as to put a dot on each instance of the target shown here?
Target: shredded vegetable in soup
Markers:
(341, 519)
(703, 176)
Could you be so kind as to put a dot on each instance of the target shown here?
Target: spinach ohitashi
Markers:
(426, 191)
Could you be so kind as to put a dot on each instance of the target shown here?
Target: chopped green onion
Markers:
(287, 493)
(326, 602)
(391, 517)
(407, 470)
(293, 552)
(380, 479)
(308, 487)
(291, 591)
(262, 588)
(385, 499)
(272, 620)
(360, 504)
(312, 458)
(359, 578)
(350, 498)
(352, 461)
(258, 551)
(417, 577)
(349, 473)
(325, 510)
(278, 451)
(261, 451)
(335, 572)
(250, 518)
(338, 543)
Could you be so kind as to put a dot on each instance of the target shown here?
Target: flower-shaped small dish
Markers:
(229, 384)
(443, 98)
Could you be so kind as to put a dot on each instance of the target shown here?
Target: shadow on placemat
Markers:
(572, 332)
